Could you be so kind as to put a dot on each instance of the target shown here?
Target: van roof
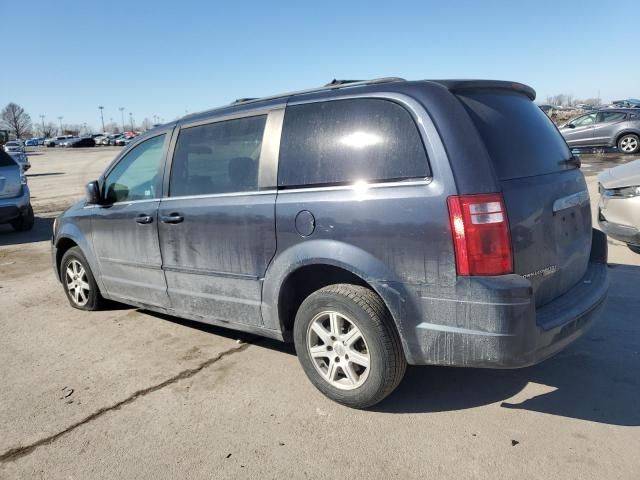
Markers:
(454, 86)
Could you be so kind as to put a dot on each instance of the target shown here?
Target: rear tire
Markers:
(629, 144)
(78, 281)
(24, 222)
(357, 357)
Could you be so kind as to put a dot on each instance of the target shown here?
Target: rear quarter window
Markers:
(342, 141)
(520, 139)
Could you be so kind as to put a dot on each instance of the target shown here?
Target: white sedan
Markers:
(619, 207)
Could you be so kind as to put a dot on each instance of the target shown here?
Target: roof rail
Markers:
(242, 100)
(333, 85)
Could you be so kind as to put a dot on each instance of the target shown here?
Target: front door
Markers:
(580, 133)
(217, 227)
(125, 231)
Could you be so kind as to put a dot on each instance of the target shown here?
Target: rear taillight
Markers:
(481, 238)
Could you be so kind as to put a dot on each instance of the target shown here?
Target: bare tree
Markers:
(16, 119)
(146, 124)
(49, 130)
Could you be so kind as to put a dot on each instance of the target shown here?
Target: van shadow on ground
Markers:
(595, 379)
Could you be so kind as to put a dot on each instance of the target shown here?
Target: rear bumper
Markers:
(497, 324)
(12, 208)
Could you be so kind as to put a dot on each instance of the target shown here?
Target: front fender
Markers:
(397, 296)
(78, 231)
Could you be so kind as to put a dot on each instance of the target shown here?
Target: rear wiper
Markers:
(573, 160)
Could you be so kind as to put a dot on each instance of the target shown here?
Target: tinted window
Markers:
(520, 139)
(218, 157)
(608, 117)
(347, 140)
(138, 175)
(5, 159)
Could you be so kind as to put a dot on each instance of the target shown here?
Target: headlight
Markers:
(55, 222)
(625, 192)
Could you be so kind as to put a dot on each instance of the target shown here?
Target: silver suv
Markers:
(605, 128)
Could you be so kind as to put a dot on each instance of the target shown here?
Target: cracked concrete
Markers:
(21, 451)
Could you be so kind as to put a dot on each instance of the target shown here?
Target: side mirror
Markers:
(93, 193)
(570, 125)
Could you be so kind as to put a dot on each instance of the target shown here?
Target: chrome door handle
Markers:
(144, 219)
(172, 218)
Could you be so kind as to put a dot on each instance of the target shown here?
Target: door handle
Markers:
(144, 219)
(172, 218)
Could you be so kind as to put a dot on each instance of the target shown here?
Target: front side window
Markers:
(585, 120)
(344, 141)
(138, 175)
(221, 157)
(609, 117)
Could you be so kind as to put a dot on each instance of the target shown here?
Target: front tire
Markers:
(629, 144)
(634, 248)
(78, 281)
(24, 222)
(348, 346)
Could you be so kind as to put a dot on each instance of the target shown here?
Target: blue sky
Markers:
(165, 58)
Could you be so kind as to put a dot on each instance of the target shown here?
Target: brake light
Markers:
(481, 237)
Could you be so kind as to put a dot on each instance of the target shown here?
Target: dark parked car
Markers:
(605, 128)
(82, 142)
(15, 199)
(374, 224)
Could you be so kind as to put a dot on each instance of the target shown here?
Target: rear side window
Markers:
(218, 157)
(6, 160)
(608, 117)
(342, 141)
(521, 140)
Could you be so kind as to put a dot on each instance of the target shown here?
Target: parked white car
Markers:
(619, 207)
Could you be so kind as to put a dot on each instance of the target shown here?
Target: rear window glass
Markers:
(521, 140)
(342, 141)
(5, 159)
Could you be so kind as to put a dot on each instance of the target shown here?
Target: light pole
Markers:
(122, 117)
(102, 117)
(131, 120)
(60, 120)
(42, 118)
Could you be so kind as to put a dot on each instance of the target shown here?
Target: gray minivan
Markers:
(374, 224)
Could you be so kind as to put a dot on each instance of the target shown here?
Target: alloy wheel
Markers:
(77, 283)
(338, 350)
(629, 144)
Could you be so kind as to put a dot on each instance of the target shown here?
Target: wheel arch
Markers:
(288, 282)
(626, 132)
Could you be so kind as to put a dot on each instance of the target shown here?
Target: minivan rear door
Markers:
(217, 225)
(544, 191)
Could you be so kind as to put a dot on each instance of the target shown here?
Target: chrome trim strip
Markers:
(358, 187)
(217, 117)
(217, 195)
(202, 271)
(572, 200)
(129, 264)
(464, 331)
(268, 163)
(477, 302)
(220, 298)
